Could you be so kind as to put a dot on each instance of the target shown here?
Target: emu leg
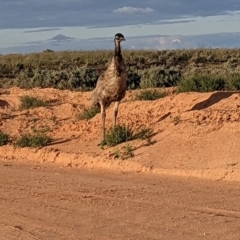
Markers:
(103, 113)
(115, 112)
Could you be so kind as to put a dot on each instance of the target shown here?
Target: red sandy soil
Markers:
(143, 197)
(42, 201)
(195, 134)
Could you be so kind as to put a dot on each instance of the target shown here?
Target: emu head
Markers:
(119, 37)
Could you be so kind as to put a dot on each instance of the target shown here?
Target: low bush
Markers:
(3, 138)
(233, 82)
(121, 133)
(27, 102)
(202, 83)
(157, 77)
(33, 140)
(118, 134)
(150, 94)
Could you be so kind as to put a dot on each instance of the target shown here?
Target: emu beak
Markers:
(123, 39)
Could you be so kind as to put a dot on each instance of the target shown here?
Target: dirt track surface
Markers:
(47, 202)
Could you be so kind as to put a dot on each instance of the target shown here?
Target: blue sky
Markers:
(33, 25)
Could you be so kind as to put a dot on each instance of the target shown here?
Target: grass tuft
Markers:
(125, 153)
(118, 134)
(27, 102)
(87, 114)
(33, 140)
(3, 138)
(121, 133)
(150, 94)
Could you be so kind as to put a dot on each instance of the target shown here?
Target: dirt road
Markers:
(48, 202)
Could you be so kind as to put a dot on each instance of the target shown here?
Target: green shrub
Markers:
(117, 134)
(151, 94)
(79, 70)
(88, 113)
(233, 82)
(27, 102)
(121, 133)
(149, 78)
(80, 78)
(157, 77)
(83, 79)
(133, 80)
(3, 138)
(202, 83)
(33, 140)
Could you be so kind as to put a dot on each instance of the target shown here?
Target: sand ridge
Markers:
(195, 134)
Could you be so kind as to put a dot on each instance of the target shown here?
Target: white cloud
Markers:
(176, 40)
(161, 43)
(232, 12)
(132, 10)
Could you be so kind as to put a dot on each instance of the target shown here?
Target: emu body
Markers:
(111, 85)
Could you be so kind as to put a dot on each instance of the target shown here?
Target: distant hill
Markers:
(61, 37)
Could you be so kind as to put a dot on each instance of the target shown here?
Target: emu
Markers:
(111, 85)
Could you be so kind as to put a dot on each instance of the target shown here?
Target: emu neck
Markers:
(117, 49)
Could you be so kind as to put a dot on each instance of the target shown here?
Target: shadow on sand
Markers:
(3, 103)
(213, 99)
(163, 117)
(58, 141)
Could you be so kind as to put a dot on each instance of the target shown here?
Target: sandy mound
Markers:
(195, 134)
